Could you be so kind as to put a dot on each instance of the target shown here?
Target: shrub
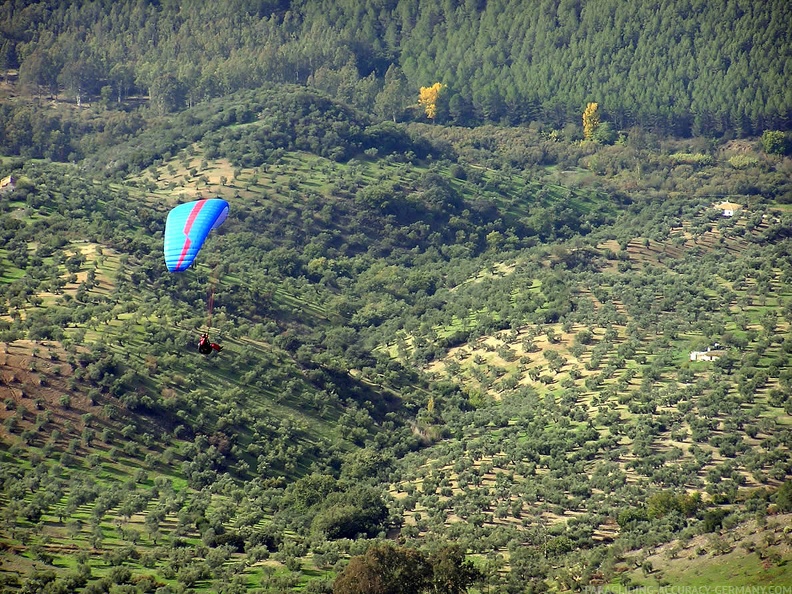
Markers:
(691, 159)
(743, 161)
(776, 142)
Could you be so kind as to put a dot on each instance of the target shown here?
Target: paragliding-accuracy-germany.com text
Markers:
(615, 589)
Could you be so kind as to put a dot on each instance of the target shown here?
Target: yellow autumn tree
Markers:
(591, 121)
(428, 98)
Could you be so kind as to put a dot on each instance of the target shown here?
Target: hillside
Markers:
(433, 336)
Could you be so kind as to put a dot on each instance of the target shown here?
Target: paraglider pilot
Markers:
(205, 346)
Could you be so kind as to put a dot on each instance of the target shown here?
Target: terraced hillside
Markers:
(614, 401)
(424, 346)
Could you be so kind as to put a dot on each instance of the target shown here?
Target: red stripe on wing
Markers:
(187, 227)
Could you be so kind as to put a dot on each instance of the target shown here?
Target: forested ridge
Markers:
(683, 68)
(460, 355)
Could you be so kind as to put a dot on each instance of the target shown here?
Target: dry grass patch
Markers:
(749, 554)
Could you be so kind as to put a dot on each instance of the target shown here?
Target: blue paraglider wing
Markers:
(186, 229)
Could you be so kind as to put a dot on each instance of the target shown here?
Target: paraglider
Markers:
(186, 229)
(205, 346)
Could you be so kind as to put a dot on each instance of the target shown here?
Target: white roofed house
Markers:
(729, 209)
(711, 354)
